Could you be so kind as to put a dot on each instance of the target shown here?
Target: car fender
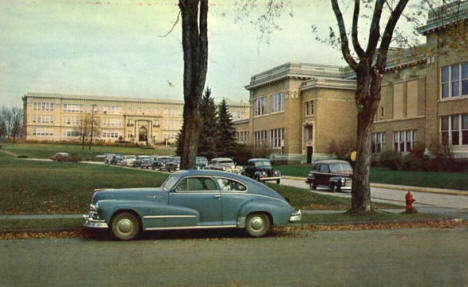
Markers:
(278, 210)
(107, 208)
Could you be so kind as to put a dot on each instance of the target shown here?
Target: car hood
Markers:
(124, 193)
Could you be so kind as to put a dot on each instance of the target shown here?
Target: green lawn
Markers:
(34, 187)
(50, 187)
(47, 150)
(380, 217)
(450, 180)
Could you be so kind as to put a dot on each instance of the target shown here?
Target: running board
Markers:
(191, 227)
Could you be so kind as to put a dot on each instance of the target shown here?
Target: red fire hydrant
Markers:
(409, 202)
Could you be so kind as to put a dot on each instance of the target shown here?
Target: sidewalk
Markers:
(403, 187)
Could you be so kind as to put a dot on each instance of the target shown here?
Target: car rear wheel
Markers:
(313, 186)
(333, 187)
(257, 224)
(125, 226)
(278, 181)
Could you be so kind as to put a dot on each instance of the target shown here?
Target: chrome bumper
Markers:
(270, 178)
(296, 216)
(93, 223)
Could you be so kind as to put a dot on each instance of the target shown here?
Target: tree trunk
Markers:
(195, 46)
(368, 98)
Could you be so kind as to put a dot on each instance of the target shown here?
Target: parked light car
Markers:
(107, 157)
(191, 199)
(160, 162)
(173, 164)
(335, 174)
(62, 156)
(261, 170)
(127, 160)
(224, 164)
(201, 162)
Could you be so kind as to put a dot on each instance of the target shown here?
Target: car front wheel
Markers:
(257, 224)
(125, 226)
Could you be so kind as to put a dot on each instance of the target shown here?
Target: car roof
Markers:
(222, 158)
(259, 159)
(331, 161)
(196, 172)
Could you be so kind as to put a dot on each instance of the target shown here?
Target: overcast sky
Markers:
(115, 48)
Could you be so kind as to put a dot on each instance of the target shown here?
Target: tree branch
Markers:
(354, 33)
(374, 32)
(387, 36)
(173, 26)
(344, 38)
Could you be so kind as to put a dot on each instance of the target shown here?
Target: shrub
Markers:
(391, 159)
(343, 149)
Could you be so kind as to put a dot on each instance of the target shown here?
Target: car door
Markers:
(324, 174)
(233, 196)
(197, 196)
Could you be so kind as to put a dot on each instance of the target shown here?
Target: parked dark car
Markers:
(334, 174)
(261, 170)
(116, 159)
(146, 163)
(201, 162)
(139, 159)
(173, 164)
(160, 162)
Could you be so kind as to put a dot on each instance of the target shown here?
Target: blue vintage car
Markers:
(191, 199)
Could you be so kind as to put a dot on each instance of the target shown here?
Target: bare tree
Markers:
(195, 47)
(16, 123)
(88, 128)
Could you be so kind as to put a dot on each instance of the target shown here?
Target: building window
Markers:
(377, 142)
(403, 141)
(308, 133)
(39, 119)
(72, 108)
(242, 137)
(277, 103)
(277, 138)
(260, 138)
(454, 80)
(113, 110)
(454, 130)
(73, 121)
(112, 122)
(110, 134)
(309, 108)
(259, 106)
(43, 107)
(72, 133)
(42, 132)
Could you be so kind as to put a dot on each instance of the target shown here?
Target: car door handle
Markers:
(217, 196)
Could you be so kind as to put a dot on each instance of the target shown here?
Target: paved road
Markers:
(405, 257)
(423, 199)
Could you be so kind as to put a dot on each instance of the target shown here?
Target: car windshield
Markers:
(340, 167)
(169, 182)
(262, 163)
(201, 160)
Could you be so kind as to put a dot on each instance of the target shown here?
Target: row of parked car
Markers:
(334, 174)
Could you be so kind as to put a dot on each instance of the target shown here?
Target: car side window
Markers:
(196, 184)
(230, 185)
(324, 168)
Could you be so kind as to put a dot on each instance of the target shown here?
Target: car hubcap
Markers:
(257, 223)
(125, 225)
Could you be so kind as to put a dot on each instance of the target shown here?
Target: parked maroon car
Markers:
(334, 174)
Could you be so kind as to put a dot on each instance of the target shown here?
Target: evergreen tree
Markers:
(209, 126)
(227, 133)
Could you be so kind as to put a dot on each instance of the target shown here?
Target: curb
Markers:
(402, 187)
